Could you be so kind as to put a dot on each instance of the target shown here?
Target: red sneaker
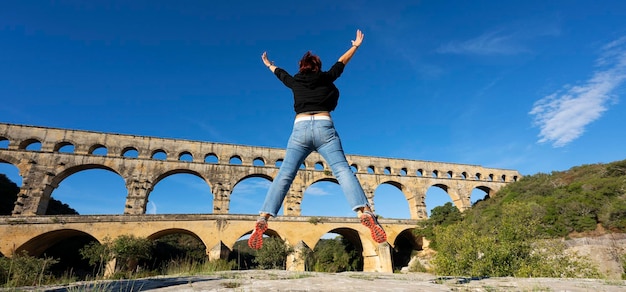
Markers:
(370, 221)
(256, 239)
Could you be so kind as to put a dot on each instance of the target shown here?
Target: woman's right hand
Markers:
(359, 38)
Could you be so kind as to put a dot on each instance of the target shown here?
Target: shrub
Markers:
(25, 270)
(273, 254)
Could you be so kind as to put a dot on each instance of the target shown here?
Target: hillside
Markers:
(527, 228)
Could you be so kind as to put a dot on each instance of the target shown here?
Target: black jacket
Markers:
(313, 91)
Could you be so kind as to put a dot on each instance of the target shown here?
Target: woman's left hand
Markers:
(266, 61)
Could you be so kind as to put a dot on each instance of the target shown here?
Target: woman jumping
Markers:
(315, 96)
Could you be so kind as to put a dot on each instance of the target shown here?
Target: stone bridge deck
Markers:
(218, 233)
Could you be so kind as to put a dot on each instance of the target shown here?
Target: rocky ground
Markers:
(274, 280)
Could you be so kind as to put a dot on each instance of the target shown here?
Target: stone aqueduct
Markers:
(222, 166)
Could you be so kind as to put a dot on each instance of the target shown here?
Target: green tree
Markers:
(439, 216)
(334, 255)
(128, 250)
(273, 254)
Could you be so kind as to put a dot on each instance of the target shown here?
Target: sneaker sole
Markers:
(256, 239)
(377, 232)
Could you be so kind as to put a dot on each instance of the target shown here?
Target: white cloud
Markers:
(316, 190)
(152, 208)
(511, 39)
(563, 115)
(491, 43)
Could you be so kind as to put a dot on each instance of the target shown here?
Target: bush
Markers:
(273, 254)
(25, 270)
(504, 244)
(128, 250)
(334, 255)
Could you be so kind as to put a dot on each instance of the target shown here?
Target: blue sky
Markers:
(535, 86)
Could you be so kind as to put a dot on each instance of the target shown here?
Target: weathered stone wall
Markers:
(218, 164)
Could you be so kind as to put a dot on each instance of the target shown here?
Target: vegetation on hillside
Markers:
(516, 232)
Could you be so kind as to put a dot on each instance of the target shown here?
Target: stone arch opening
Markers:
(64, 245)
(90, 189)
(403, 171)
(355, 168)
(130, 152)
(98, 149)
(390, 201)
(185, 156)
(159, 154)
(479, 194)
(176, 245)
(4, 143)
(236, 160)
(338, 250)
(319, 165)
(11, 181)
(64, 147)
(248, 194)
(31, 145)
(325, 198)
(259, 161)
(405, 249)
(211, 158)
(436, 195)
(243, 255)
(180, 191)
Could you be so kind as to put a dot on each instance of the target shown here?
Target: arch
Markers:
(436, 195)
(98, 149)
(405, 245)
(194, 247)
(279, 162)
(180, 191)
(477, 176)
(387, 170)
(490, 177)
(159, 154)
(435, 173)
(503, 178)
(390, 201)
(464, 175)
(4, 142)
(419, 172)
(354, 167)
(258, 161)
(450, 174)
(30, 144)
(371, 169)
(319, 165)
(479, 194)
(354, 246)
(248, 194)
(130, 152)
(211, 158)
(64, 147)
(235, 160)
(403, 171)
(99, 200)
(37, 245)
(185, 156)
(325, 197)
(12, 188)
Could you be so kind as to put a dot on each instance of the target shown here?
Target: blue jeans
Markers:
(306, 137)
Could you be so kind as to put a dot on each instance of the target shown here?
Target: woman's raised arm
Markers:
(345, 58)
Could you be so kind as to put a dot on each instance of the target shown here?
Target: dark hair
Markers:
(310, 63)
